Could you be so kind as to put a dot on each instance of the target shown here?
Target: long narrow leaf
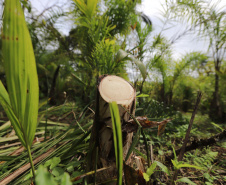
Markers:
(117, 133)
(91, 7)
(163, 167)
(82, 6)
(20, 69)
(5, 102)
(123, 54)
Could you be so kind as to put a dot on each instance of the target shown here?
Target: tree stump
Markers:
(110, 88)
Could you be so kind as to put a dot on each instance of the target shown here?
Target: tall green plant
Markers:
(21, 101)
(117, 134)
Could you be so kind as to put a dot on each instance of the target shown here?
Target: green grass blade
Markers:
(20, 69)
(216, 125)
(7, 158)
(5, 102)
(117, 133)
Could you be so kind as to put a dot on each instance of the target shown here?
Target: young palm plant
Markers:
(21, 101)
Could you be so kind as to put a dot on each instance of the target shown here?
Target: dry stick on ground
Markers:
(182, 150)
(24, 168)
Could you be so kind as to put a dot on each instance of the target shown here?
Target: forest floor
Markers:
(67, 126)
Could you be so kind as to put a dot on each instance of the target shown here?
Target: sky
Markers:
(153, 9)
(188, 43)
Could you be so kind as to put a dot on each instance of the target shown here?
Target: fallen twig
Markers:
(182, 150)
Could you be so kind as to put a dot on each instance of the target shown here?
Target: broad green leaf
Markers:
(146, 177)
(186, 180)
(160, 152)
(123, 54)
(58, 173)
(151, 169)
(208, 177)
(149, 172)
(140, 65)
(175, 163)
(43, 177)
(163, 167)
(117, 133)
(52, 162)
(21, 73)
(55, 161)
(66, 180)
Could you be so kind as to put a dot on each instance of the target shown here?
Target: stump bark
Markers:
(110, 88)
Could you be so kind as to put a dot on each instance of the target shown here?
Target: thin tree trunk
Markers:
(52, 93)
(110, 88)
(215, 109)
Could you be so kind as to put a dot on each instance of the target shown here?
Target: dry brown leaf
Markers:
(133, 176)
(131, 125)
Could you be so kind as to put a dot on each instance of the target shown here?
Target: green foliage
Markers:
(104, 57)
(179, 164)
(52, 163)
(186, 180)
(124, 55)
(45, 178)
(149, 171)
(120, 13)
(219, 127)
(210, 21)
(98, 44)
(21, 74)
(21, 101)
(155, 109)
(117, 134)
(205, 160)
(163, 168)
